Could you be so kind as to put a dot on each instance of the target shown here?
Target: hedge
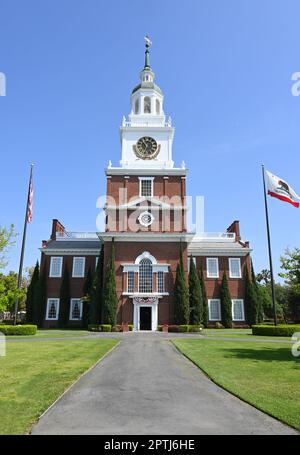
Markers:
(277, 331)
(99, 327)
(183, 328)
(18, 329)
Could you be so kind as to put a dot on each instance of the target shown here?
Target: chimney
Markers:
(235, 228)
(57, 227)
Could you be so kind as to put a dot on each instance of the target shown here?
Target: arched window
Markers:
(157, 107)
(147, 105)
(145, 276)
(136, 106)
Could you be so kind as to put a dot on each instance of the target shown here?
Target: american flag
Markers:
(30, 200)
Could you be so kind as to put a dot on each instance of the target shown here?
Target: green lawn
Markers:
(264, 374)
(34, 375)
(238, 333)
(53, 333)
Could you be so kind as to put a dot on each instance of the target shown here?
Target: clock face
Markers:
(147, 148)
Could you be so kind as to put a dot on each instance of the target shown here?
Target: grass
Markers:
(238, 333)
(263, 374)
(34, 375)
(53, 333)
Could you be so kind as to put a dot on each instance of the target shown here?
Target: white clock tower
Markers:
(146, 136)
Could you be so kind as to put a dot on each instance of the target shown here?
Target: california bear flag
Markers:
(276, 187)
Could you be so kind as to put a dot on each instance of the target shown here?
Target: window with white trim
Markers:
(78, 267)
(145, 276)
(214, 309)
(76, 310)
(160, 281)
(212, 267)
(146, 187)
(238, 312)
(147, 105)
(235, 268)
(130, 281)
(52, 309)
(55, 267)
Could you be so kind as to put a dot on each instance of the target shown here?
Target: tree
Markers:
(6, 236)
(86, 300)
(260, 310)
(32, 288)
(264, 276)
(9, 292)
(40, 298)
(195, 295)
(204, 299)
(251, 299)
(110, 298)
(290, 263)
(226, 303)
(181, 294)
(96, 292)
(64, 299)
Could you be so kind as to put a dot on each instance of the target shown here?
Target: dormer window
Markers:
(147, 105)
(136, 106)
(157, 107)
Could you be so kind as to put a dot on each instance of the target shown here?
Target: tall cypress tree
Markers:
(110, 298)
(226, 303)
(96, 292)
(32, 288)
(87, 287)
(195, 295)
(204, 299)
(64, 299)
(251, 300)
(181, 294)
(40, 298)
(260, 310)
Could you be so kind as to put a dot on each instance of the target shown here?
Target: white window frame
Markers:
(48, 307)
(130, 271)
(73, 267)
(140, 185)
(243, 309)
(162, 274)
(51, 266)
(230, 268)
(207, 268)
(209, 310)
(71, 309)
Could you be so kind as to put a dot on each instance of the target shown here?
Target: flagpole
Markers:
(23, 246)
(269, 245)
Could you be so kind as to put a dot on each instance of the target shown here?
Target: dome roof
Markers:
(149, 85)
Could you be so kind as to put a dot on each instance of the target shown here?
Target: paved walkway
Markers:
(145, 386)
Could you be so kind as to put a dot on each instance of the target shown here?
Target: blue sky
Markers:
(225, 69)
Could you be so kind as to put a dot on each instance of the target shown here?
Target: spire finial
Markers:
(148, 44)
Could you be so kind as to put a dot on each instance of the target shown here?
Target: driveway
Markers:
(145, 386)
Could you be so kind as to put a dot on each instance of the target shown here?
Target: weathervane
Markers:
(148, 42)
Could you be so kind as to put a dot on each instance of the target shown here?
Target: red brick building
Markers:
(146, 215)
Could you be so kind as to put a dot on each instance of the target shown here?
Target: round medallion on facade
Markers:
(146, 148)
(146, 219)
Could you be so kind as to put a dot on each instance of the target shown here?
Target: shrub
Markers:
(277, 331)
(18, 329)
(218, 325)
(195, 328)
(117, 328)
(130, 327)
(99, 327)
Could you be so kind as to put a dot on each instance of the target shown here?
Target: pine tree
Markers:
(32, 288)
(204, 299)
(226, 303)
(64, 299)
(86, 300)
(260, 310)
(110, 298)
(195, 295)
(40, 298)
(181, 294)
(251, 300)
(96, 293)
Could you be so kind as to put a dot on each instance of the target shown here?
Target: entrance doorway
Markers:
(145, 318)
